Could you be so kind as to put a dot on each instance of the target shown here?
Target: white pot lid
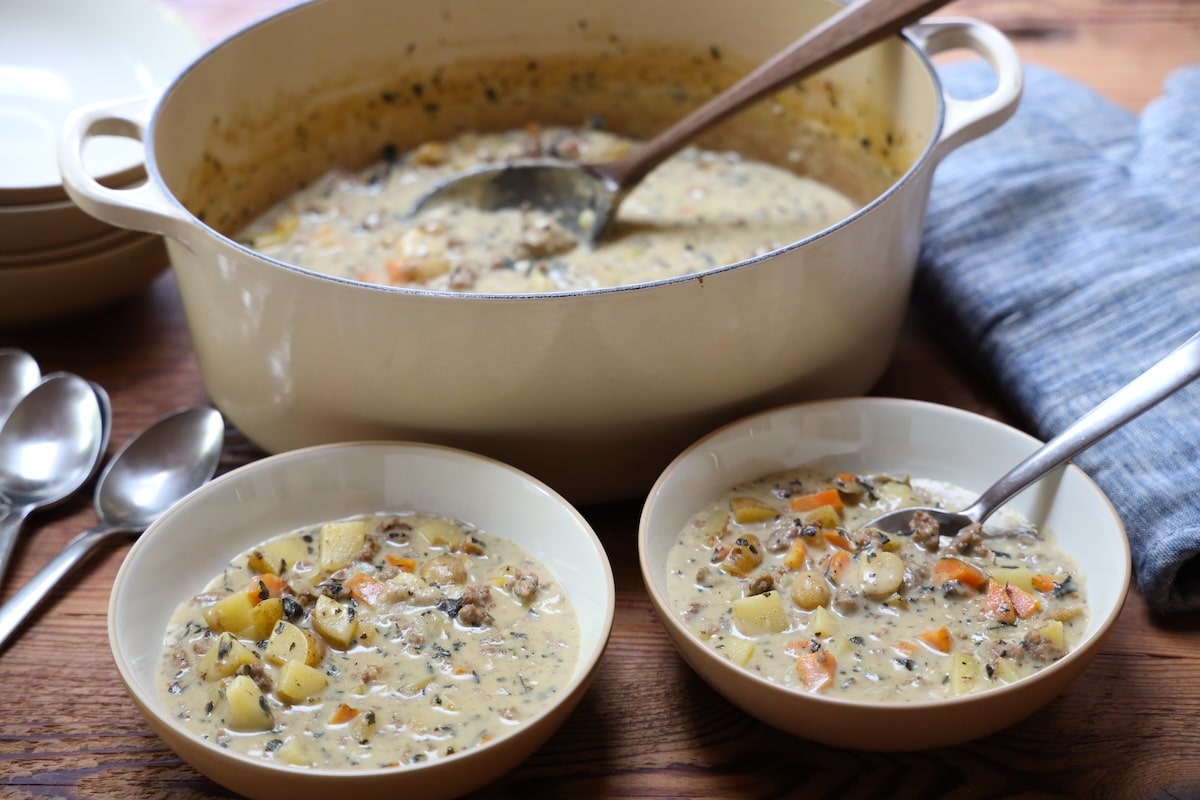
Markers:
(56, 55)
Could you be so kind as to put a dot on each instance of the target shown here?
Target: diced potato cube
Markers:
(289, 642)
(338, 624)
(405, 586)
(824, 516)
(744, 555)
(822, 624)
(964, 673)
(440, 532)
(248, 708)
(224, 658)
(299, 682)
(894, 493)
(1021, 577)
(416, 686)
(1005, 670)
(341, 542)
(810, 589)
(750, 509)
(739, 651)
(1053, 630)
(280, 555)
(760, 613)
(294, 750)
(230, 613)
(1065, 613)
(364, 726)
(262, 619)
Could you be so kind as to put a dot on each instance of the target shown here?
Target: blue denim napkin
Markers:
(1062, 255)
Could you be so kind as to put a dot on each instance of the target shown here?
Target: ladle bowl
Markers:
(584, 198)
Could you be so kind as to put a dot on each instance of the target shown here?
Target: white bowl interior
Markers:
(62, 54)
(898, 436)
(281, 493)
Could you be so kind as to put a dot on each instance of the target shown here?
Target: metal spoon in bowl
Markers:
(1150, 388)
(156, 468)
(50, 445)
(584, 197)
(19, 373)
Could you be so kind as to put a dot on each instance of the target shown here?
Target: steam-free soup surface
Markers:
(383, 640)
(698, 210)
(781, 576)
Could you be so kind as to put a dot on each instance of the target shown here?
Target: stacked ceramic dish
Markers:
(56, 55)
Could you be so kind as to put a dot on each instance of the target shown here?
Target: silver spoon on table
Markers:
(50, 445)
(1179, 368)
(19, 373)
(154, 470)
(584, 197)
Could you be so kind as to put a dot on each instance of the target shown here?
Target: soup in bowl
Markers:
(757, 558)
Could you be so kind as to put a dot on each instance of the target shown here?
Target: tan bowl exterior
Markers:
(903, 437)
(31, 230)
(591, 391)
(196, 538)
(46, 294)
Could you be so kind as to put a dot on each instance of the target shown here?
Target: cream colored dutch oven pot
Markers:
(595, 391)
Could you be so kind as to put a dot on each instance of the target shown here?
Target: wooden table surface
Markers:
(648, 727)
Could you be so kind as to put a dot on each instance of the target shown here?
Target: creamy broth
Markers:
(781, 576)
(699, 210)
(378, 641)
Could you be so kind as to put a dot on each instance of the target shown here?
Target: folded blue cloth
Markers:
(1062, 255)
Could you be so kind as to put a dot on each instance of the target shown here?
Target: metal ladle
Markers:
(584, 197)
(1179, 368)
(50, 445)
(155, 469)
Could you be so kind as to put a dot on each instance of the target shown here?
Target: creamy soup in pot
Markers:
(781, 576)
(698, 210)
(376, 641)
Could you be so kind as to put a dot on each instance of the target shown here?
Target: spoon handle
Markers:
(11, 520)
(14, 612)
(857, 25)
(1179, 368)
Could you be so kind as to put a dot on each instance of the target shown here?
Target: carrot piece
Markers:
(1043, 583)
(999, 604)
(405, 563)
(836, 538)
(796, 555)
(952, 569)
(808, 502)
(365, 589)
(399, 271)
(906, 647)
(343, 713)
(1025, 604)
(839, 562)
(265, 586)
(937, 638)
(816, 667)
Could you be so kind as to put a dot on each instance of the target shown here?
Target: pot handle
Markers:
(145, 207)
(969, 119)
